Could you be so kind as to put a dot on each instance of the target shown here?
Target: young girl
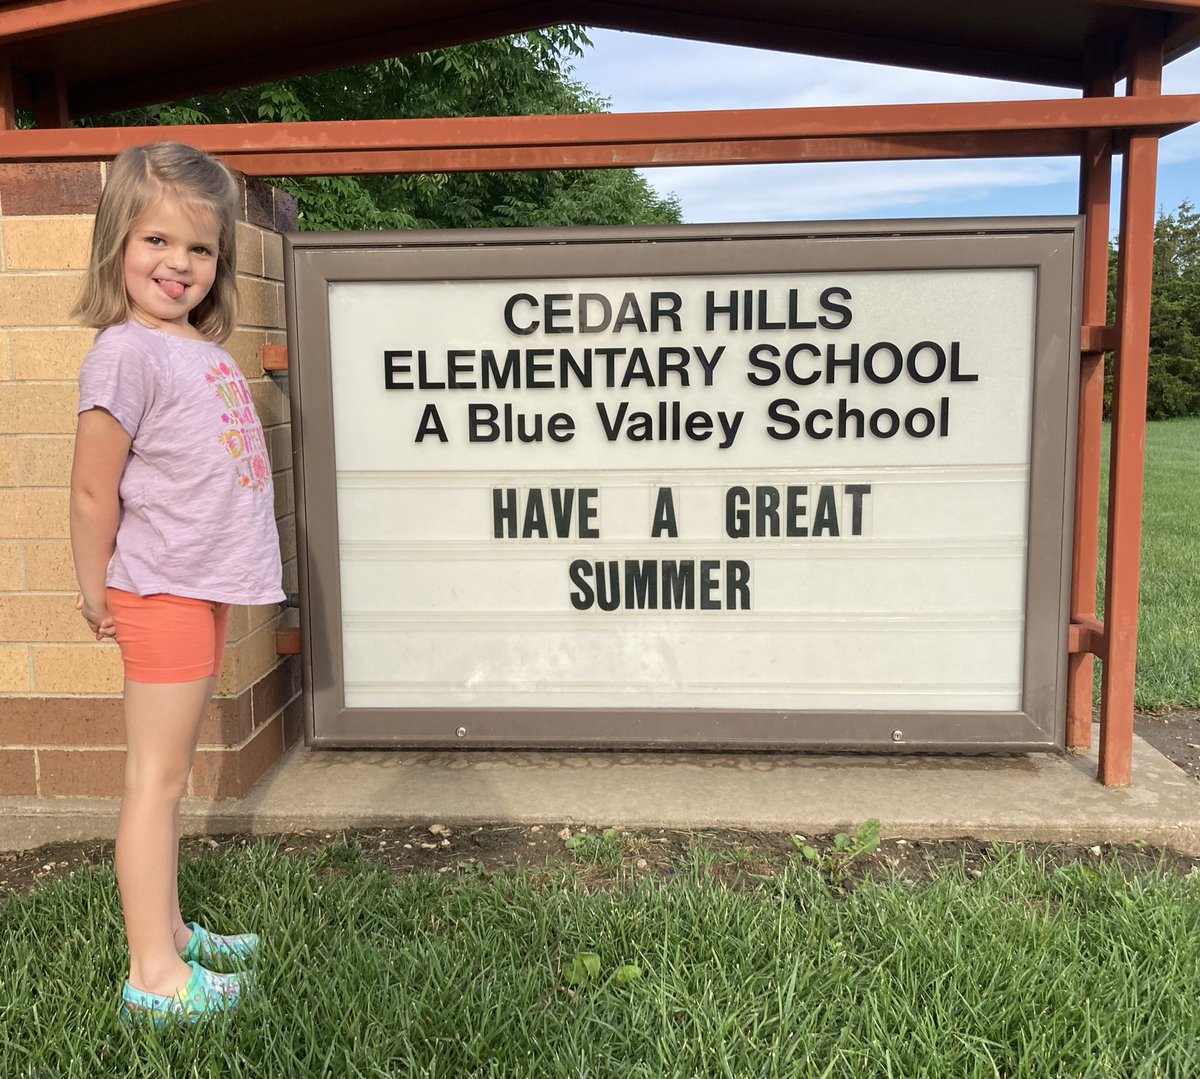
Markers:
(172, 520)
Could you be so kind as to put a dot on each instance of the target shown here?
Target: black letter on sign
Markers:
(664, 515)
(431, 424)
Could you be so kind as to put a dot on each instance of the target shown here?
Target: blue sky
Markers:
(640, 73)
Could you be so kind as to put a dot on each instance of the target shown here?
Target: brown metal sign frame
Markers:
(1050, 246)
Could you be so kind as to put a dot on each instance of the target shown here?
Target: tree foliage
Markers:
(526, 74)
(1173, 387)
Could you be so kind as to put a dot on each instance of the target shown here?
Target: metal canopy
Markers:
(104, 55)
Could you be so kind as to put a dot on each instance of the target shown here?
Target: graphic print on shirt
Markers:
(243, 434)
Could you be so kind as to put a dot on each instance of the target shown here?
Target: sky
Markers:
(643, 73)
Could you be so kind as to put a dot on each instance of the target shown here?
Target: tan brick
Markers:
(81, 773)
(84, 668)
(38, 408)
(63, 721)
(273, 256)
(257, 202)
(249, 249)
(11, 576)
(50, 354)
(270, 402)
(14, 675)
(47, 243)
(244, 346)
(41, 617)
(42, 299)
(34, 514)
(50, 188)
(239, 624)
(291, 577)
(231, 773)
(248, 660)
(6, 371)
(264, 616)
(276, 689)
(8, 462)
(228, 722)
(18, 773)
(49, 567)
(287, 537)
(279, 446)
(45, 462)
(285, 495)
(260, 303)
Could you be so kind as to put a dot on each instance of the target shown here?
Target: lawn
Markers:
(1168, 673)
(727, 962)
(717, 962)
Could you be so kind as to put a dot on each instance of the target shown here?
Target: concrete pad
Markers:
(1041, 798)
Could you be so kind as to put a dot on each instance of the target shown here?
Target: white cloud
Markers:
(830, 190)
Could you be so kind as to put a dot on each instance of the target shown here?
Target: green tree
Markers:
(1173, 387)
(526, 74)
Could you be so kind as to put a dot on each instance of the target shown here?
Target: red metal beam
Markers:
(1128, 452)
(1097, 337)
(1183, 39)
(1161, 115)
(650, 155)
(1086, 638)
(1182, 6)
(33, 19)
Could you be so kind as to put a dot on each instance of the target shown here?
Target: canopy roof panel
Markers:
(111, 54)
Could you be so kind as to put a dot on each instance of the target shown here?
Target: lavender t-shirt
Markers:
(197, 501)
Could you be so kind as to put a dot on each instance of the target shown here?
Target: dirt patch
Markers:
(1176, 736)
(733, 855)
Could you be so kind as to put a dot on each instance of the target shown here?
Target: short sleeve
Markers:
(120, 380)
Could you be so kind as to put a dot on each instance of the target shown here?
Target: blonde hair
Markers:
(136, 178)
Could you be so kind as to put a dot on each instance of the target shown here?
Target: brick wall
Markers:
(60, 709)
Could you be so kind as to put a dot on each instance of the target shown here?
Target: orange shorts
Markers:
(167, 638)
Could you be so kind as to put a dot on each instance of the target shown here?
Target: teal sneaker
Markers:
(220, 953)
(205, 995)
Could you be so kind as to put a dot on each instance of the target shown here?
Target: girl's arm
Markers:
(101, 449)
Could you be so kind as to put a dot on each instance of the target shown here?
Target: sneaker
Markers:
(217, 952)
(206, 994)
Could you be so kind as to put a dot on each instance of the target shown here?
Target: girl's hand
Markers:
(99, 622)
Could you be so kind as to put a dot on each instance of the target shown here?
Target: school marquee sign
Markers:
(755, 485)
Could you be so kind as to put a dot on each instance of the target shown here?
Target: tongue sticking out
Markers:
(174, 289)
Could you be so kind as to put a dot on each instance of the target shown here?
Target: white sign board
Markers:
(804, 491)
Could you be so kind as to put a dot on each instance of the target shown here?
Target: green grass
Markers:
(1168, 673)
(1028, 971)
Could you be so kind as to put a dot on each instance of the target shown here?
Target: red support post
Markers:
(50, 100)
(8, 107)
(1095, 199)
(1128, 449)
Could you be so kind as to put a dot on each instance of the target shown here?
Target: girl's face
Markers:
(170, 264)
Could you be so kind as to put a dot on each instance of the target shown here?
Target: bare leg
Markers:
(162, 724)
(180, 931)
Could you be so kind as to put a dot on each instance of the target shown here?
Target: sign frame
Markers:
(1052, 246)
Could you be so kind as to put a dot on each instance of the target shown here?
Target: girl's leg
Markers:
(162, 723)
(180, 931)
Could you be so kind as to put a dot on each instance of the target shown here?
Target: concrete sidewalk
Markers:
(1034, 797)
